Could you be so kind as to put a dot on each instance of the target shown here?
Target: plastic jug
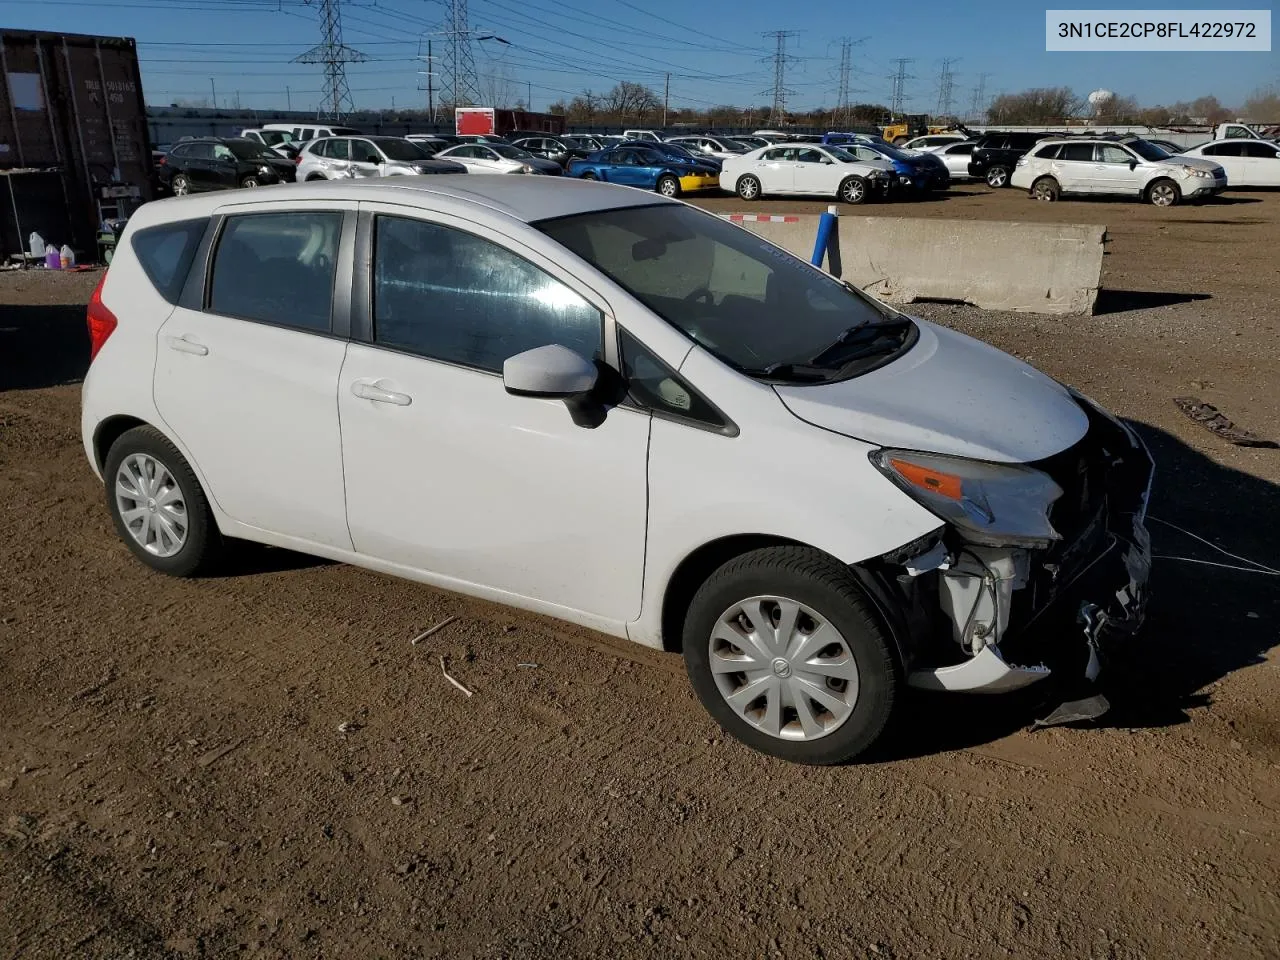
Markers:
(52, 259)
(35, 245)
(67, 256)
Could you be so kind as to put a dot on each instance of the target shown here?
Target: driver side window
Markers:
(1110, 154)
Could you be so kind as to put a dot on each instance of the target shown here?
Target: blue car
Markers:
(648, 166)
(915, 173)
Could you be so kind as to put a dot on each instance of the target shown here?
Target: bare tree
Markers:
(1040, 105)
(1263, 106)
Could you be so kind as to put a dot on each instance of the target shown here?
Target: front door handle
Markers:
(369, 390)
(184, 344)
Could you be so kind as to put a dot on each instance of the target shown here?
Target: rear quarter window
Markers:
(165, 253)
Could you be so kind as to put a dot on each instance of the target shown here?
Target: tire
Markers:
(668, 185)
(998, 177)
(314, 177)
(853, 190)
(1163, 193)
(250, 182)
(748, 188)
(180, 185)
(821, 593)
(899, 141)
(1045, 189)
(144, 455)
(589, 176)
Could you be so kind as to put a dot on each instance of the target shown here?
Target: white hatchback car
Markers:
(1125, 168)
(605, 406)
(806, 169)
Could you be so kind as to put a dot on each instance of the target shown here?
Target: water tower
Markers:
(1099, 99)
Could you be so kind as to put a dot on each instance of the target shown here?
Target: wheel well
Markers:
(693, 572)
(314, 176)
(108, 432)
(1151, 185)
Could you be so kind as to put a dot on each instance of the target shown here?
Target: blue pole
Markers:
(826, 226)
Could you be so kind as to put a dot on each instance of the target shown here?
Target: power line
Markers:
(335, 55)
(946, 87)
(779, 91)
(899, 99)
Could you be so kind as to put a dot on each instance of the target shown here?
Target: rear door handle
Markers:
(369, 390)
(184, 344)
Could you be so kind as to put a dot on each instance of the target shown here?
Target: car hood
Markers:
(540, 164)
(948, 394)
(1201, 163)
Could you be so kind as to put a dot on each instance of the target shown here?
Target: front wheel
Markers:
(785, 651)
(180, 185)
(998, 177)
(1045, 189)
(250, 182)
(1163, 193)
(668, 186)
(853, 190)
(157, 505)
(589, 176)
(748, 188)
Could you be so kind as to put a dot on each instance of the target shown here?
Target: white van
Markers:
(306, 132)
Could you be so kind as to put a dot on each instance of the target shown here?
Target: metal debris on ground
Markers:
(213, 756)
(445, 671)
(1209, 417)
(436, 629)
(529, 665)
(348, 726)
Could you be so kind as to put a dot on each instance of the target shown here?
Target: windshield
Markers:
(736, 146)
(672, 150)
(251, 150)
(401, 149)
(274, 138)
(510, 152)
(757, 308)
(841, 154)
(1147, 151)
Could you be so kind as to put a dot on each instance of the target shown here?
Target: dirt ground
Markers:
(174, 780)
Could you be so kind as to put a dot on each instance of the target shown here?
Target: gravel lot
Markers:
(174, 782)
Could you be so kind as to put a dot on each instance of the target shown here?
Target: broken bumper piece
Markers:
(985, 673)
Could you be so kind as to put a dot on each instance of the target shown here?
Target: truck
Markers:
(474, 120)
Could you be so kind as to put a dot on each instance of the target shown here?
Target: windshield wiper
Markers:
(802, 372)
(863, 340)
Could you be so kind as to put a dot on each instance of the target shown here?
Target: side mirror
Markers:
(552, 371)
(1133, 164)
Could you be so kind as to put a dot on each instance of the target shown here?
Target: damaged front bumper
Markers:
(1006, 618)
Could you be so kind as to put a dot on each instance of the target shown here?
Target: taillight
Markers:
(297, 158)
(102, 322)
(163, 161)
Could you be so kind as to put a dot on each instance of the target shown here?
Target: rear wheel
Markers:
(1163, 193)
(749, 188)
(180, 185)
(853, 190)
(157, 505)
(785, 651)
(589, 176)
(998, 177)
(668, 186)
(250, 182)
(1045, 189)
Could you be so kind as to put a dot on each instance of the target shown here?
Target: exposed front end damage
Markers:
(987, 617)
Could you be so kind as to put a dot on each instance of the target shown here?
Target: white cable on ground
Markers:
(1254, 565)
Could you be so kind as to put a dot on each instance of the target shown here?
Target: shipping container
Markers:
(72, 105)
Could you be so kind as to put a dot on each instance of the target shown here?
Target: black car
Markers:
(222, 163)
(552, 148)
(996, 154)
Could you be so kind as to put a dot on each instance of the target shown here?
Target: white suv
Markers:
(1131, 167)
(622, 411)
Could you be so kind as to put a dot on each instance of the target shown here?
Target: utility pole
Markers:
(528, 95)
(979, 104)
(898, 101)
(213, 93)
(288, 100)
(237, 99)
(946, 87)
(666, 100)
(430, 74)
(779, 91)
(335, 55)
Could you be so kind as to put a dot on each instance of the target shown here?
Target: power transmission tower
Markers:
(842, 95)
(946, 87)
(899, 99)
(460, 87)
(335, 55)
(979, 103)
(779, 90)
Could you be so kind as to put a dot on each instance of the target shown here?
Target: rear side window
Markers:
(1225, 150)
(165, 253)
(1080, 152)
(1049, 152)
(277, 268)
(1259, 150)
(448, 295)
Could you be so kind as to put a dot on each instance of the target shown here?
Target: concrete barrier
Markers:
(1027, 267)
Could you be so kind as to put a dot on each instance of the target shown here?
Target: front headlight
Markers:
(994, 504)
(1197, 172)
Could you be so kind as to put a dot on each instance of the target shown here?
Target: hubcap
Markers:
(151, 505)
(748, 188)
(180, 187)
(996, 179)
(853, 190)
(1162, 195)
(783, 668)
(668, 188)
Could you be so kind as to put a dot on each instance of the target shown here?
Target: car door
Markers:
(1073, 168)
(247, 366)
(1262, 164)
(366, 160)
(776, 170)
(198, 166)
(446, 472)
(956, 157)
(224, 169)
(1230, 156)
(1116, 170)
(631, 167)
(813, 172)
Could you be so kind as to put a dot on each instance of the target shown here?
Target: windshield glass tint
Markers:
(1147, 151)
(746, 301)
(511, 153)
(275, 137)
(401, 149)
(251, 150)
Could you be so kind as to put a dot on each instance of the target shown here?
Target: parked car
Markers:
(1248, 163)
(806, 170)
(721, 148)
(551, 148)
(636, 164)
(650, 135)
(221, 163)
(1132, 168)
(955, 157)
(306, 132)
(499, 158)
(752, 142)
(590, 446)
(354, 157)
(915, 173)
(932, 142)
(280, 141)
(588, 141)
(433, 143)
(480, 138)
(677, 151)
(996, 154)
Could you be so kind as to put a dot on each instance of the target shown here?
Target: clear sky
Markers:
(714, 50)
